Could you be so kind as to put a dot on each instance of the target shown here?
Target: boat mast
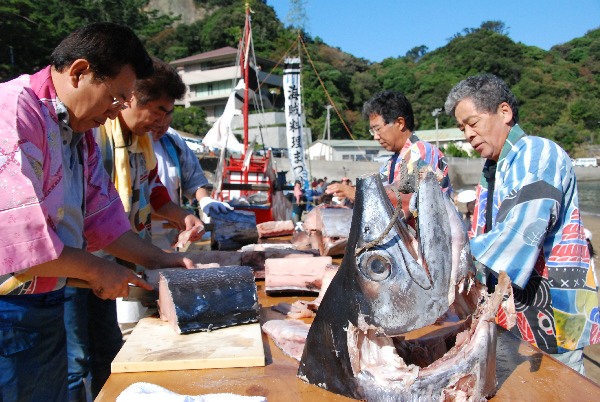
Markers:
(245, 67)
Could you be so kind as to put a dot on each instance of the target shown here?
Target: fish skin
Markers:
(462, 259)
(392, 305)
(207, 299)
(409, 298)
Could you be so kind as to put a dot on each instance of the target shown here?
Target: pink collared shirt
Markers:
(31, 188)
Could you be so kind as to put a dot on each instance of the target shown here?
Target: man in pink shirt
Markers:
(57, 204)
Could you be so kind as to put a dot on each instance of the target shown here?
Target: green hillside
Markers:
(557, 89)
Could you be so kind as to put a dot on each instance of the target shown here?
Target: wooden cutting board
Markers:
(154, 346)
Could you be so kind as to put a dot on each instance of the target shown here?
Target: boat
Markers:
(248, 177)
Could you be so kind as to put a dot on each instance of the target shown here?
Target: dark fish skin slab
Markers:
(212, 298)
(390, 301)
(325, 360)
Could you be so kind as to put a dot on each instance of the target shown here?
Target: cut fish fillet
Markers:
(207, 299)
(288, 335)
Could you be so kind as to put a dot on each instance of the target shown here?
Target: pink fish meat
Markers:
(288, 335)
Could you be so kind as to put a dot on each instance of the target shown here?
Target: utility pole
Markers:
(435, 114)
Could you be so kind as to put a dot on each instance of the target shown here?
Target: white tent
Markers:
(220, 135)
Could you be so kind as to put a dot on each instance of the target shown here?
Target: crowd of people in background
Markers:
(306, 200)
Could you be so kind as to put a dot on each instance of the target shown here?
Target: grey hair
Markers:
(487, 93)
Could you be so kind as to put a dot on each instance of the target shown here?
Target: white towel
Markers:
(146, 392)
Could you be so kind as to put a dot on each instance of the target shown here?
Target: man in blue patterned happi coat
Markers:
(533, 231)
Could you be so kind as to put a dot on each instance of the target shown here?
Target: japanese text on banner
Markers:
(293, 118)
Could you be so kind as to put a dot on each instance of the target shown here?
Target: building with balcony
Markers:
(211, 76)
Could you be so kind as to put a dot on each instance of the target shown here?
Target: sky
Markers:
(375, 30)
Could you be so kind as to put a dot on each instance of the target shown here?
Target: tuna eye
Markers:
(376, 267)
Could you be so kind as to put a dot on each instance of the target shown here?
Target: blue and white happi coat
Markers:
(537, 238)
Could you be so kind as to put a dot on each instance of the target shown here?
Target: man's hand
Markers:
(210, 206)
(172, 260)
(107, 279)
(195, 225)
(180, 217)
(112, 280)
(341, 191)
(131, 247)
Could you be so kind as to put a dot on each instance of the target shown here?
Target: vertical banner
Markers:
(293, 119)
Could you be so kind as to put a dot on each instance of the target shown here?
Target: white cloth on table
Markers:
(146, 392)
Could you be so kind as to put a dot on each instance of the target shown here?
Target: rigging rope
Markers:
(389, 227)
(299, 38)
(331, 100)
(279, 62)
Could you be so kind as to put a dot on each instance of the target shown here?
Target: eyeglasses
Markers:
(116, 104)
(374, 131)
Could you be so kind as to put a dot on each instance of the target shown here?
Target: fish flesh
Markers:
(328, 229)
(305, 308)
(327, 245)
(393, 281)
(195, 300)
(256, 259)
(268, 246)
(185, 237)
(275, 228)
(252, 259)
(301, 240)
(288, 335)
(301, 275)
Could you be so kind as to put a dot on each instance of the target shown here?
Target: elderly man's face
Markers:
(486, 132)
(150, 117)
(93, 103)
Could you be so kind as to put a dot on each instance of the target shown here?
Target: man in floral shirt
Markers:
(392, 124)
(57, 203)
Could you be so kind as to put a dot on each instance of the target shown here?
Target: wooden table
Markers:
(524, 374)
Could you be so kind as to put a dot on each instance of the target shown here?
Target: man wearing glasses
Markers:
(392, 123)
(57, 203)
(93, 333)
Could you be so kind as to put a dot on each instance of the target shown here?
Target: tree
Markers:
(191, 120)
(297, 17)
(31, 29)
(363, 86)
(416, 53)
(453, 150)
(495, 26)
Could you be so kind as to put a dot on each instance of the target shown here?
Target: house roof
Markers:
(444, 134)
(224, 51)
(215, 54)
(350, 143)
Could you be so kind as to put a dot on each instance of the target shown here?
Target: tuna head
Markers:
(403, 276)
(394, 280)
